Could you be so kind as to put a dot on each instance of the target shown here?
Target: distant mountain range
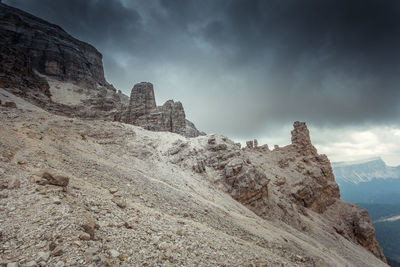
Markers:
(368, 181)
(364, 171)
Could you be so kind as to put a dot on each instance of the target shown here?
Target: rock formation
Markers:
(286, 183)
(143, 111)
(45, 65)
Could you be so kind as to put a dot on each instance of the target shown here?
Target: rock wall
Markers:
(143, 111)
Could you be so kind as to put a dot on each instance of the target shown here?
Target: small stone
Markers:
(58, 251)
(84, 236)
(43, 256)
(89, 226)
(119, 201)
(60, 264)
(90, 252)
(57, 201)
(113, 190)
(114, 253)
(13, 264)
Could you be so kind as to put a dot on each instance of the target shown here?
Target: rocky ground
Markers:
(141, 198)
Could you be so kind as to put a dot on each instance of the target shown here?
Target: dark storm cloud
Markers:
(243, 67)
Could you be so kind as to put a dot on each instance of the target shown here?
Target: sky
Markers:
(248, 69)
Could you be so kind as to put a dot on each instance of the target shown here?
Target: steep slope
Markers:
(138, 198)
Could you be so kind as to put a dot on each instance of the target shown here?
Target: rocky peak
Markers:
(143, 111)
(301, 139)
(142, 101)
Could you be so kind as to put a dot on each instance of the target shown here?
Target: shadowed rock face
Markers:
(49, 49)
(143, 111)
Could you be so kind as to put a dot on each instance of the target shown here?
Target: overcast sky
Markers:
(248, 69)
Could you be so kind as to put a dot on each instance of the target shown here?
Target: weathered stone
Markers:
(55, 180)
(84, 236)
(113, 190)
(43, 256)
(89, 226)
(120, 201)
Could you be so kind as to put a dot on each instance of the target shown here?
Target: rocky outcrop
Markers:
(143, 111)
(288, 183)
(355, 225)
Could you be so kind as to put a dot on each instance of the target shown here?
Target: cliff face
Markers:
(50, 50)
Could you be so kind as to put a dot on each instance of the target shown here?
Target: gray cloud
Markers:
(243, 68)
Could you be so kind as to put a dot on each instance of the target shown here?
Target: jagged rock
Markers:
(255, 143)
(249, 144)
(301, 139)
(142, 111)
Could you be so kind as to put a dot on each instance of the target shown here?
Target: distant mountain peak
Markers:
(364, 170)
(358, 162)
